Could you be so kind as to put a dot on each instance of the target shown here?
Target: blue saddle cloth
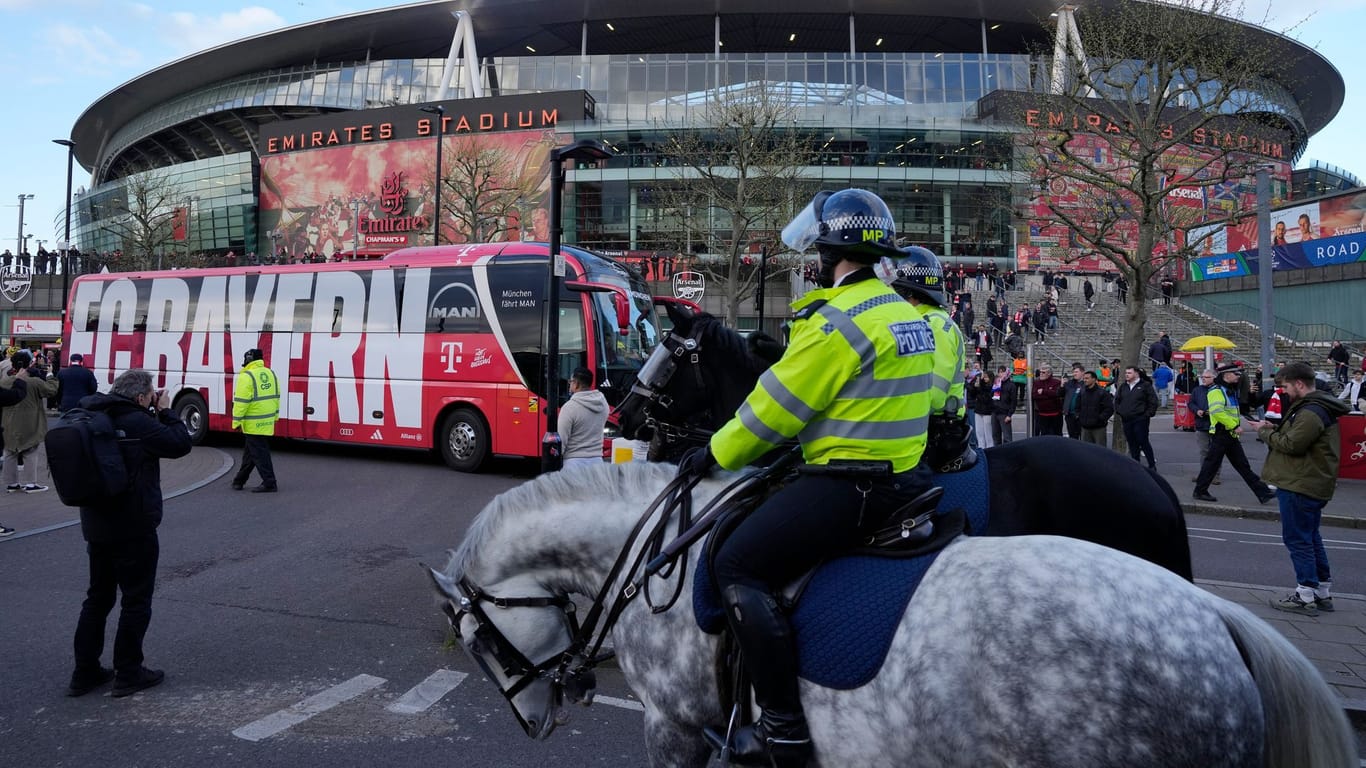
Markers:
(849, 612)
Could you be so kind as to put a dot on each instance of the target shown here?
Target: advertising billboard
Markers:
(363, 183)
(1303, 236)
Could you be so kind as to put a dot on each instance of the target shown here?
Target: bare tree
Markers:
(482, 189)
(1172, 100)
(143, 225)
(736, 182)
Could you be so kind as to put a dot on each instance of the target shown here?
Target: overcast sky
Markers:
(59, 56)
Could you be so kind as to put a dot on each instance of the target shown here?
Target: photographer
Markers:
(25, 425)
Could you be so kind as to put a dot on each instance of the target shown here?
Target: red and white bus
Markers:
(431, 347)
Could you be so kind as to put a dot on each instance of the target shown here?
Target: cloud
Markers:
(88, 50)
(192, 32)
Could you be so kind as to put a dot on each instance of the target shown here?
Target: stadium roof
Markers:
(507, 28)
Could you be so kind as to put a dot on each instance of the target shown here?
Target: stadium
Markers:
(899, 93)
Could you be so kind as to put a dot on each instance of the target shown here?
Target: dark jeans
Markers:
(1073, 427)
(804, 523)
(256, 455)
(1221, 444)
(129, 567)
(1300, 517)
(1136, 435)
(1001, 433)
(1047, 425)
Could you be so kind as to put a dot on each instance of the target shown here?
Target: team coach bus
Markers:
(431, 347)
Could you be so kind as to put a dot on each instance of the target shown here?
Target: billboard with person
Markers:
(1303, 236)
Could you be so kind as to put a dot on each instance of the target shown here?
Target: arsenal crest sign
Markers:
(688, 285)
(15, 282)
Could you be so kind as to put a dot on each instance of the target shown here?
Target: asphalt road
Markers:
(298, 629)
(308, 602)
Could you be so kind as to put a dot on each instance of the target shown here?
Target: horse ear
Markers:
(681, 315)
(445, 585)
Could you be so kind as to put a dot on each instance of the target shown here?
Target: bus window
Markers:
(573, 340)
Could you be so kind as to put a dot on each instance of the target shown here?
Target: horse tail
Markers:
(1305, 722)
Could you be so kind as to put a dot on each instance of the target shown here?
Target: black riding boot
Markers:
(780, 738)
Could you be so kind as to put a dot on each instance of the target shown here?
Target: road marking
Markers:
(313, 705)
(428, 692)
(1275, 536)
(1208, 538)
(613, 701)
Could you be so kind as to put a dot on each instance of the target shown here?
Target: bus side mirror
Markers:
(623, 314)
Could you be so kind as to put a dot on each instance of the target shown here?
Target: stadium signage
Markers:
(1199, 137)
(463, 116)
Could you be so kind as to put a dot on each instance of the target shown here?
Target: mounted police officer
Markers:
(854, 388)
(919, 278)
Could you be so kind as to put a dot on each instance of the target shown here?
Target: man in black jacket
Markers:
(121, 536)
(1071, 391)
(1095, 406)
(74, 382)
(1136, 404)
(1199, 407)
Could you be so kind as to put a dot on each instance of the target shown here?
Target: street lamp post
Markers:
(19, 241)
(440, 113)
(584, 149)
(66, 237)
(189, 212)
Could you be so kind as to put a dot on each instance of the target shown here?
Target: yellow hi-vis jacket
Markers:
(853, 384)
(1223, 410)
(255, 399)
(948, 358)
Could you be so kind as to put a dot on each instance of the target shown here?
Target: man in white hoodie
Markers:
(582, 420)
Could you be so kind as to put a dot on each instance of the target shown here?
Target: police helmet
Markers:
(919, 273)
(854, 223)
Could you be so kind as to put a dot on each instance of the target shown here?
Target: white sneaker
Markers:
(34, 488)
(12, 487)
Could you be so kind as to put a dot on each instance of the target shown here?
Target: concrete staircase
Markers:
(1088, 336)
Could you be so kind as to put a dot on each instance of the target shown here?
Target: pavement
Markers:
(1334, 642)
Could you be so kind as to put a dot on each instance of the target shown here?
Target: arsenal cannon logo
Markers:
(15, 282)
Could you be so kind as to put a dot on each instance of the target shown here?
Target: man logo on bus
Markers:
(393, 195)
(454, 302)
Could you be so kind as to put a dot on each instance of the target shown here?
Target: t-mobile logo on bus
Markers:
(451, 352)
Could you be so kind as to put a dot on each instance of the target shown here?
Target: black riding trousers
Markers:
(805, 522)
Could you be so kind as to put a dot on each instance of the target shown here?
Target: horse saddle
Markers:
(845, 612)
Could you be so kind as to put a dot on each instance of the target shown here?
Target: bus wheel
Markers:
(191, 410)
(464, 440)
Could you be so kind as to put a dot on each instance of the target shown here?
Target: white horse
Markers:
(1025, 651)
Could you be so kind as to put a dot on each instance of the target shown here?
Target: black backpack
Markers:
(84, 458)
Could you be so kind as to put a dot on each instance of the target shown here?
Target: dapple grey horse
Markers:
(1023, 651)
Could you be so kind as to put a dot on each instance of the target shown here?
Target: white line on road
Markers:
(313, 705)
(613, 701)
(428, 692)
(1207, 538)
(1275, 536)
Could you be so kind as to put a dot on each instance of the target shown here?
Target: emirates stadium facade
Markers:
(893, 88)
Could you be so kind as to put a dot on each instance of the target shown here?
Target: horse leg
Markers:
(670, 744)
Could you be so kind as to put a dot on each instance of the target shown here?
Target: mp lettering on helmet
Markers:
(913, 338)
(874, 235)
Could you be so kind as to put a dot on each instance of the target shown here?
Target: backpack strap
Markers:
(1327, 418)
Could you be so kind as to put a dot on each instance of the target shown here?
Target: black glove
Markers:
(697, 463)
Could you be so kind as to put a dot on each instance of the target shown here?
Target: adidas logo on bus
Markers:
(377, 435)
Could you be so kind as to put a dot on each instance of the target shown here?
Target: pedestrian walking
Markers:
(1199, 407)
(25, 425)
(1302, 462)
(1162, 383)
(121, 538)
(255, 407)
(11, 395)
(1136, 404)
(1089, 291)
(1225, 429)
(1338, 358)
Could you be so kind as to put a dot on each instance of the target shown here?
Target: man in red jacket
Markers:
(1047, 394)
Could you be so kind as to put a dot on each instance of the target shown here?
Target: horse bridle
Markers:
(674, 350)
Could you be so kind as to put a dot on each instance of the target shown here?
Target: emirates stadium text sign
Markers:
(462, 116)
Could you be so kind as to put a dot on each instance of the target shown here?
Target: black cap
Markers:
(1229, 368)
(255, 354)
(76, 358)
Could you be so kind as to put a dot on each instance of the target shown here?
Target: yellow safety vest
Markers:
(1223, 410)
(948, 359)
(255, 399)
(855, 383)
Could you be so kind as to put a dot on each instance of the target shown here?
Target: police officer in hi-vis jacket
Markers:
(854, 388)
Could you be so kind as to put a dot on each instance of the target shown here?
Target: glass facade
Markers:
(902, 124)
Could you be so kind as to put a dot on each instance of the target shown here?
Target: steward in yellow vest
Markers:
(255, 406)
